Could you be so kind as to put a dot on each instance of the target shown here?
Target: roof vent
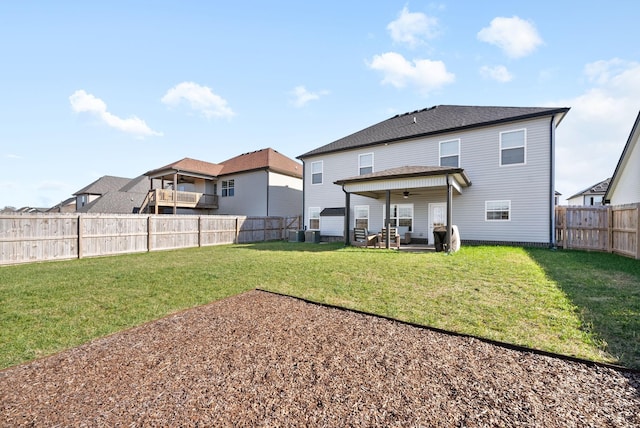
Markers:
(414, 119)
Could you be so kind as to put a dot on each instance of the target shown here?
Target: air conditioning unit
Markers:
(296, 236)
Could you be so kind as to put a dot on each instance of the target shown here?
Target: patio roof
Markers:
(405, 178)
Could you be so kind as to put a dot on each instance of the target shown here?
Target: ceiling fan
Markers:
(406, 194)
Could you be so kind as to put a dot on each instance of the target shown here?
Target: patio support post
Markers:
(347, 221)
(175, 193)
(388, 220)
(449, 214)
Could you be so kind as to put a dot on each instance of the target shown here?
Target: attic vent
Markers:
(414, 119)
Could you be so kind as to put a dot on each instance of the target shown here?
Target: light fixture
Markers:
(405, 194)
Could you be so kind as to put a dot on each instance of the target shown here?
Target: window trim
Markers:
(356, 218)
(486, 210)
(524, 147)
(228, 188)
(312, 211)
(321, 163)
(397, 218)
(457, 151)
(360, 166)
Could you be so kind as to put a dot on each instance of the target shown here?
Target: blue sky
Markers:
(122, 87)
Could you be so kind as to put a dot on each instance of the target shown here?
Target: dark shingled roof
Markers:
(102, 185)
(598, 188)
(431, 121)
(115, 203)
(332, 212)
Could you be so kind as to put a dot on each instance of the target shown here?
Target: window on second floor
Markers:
(450, 153)
(316, 172)
(365, 163)
(513, 147)
(228, 188)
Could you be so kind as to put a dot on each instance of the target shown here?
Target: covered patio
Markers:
(401, 182)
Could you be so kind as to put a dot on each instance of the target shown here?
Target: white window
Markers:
(450, 153)
(593, 200)
(497, 210)
(228, 188)
(361, 214)
(314, 218)
(365, 163)
(316, 172)
(513, 147)
(401, 216)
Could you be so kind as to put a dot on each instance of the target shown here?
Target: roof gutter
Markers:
(552, 183)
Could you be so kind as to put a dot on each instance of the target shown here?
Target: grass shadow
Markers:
(308, 247)
(605, 289)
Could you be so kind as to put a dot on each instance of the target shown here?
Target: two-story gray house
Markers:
(487, 170)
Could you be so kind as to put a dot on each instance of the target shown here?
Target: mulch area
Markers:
(259, 359)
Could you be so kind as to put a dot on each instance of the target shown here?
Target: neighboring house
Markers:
(113, 195)
(188, 186)
(625, 183)
(488, 170)
(97, 189)
(24, 210)
(66, 206)
(593, 195)
(259, 183)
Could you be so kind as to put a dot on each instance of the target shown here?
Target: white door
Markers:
(437, 217)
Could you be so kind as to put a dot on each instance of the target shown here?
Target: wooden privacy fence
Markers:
(614, 229)
(40, 237)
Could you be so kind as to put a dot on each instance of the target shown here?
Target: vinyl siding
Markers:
(250, 194)
(527, 186)
(627, 190)
(285, 195)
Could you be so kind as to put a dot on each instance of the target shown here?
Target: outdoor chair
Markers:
(394, 237)
(362, 238)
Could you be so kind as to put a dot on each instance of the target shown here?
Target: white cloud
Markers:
(12, 156)
(200, 98)
(498, 73)
(83, 102)
(591, 138)
(302, 96)
(515, 36)
(413, 28)
(425, 74)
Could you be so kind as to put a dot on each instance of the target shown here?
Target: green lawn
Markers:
(574, 303)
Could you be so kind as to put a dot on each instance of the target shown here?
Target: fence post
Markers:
(237, 233)
(638, 231)
(565, 238)
(609, 229)
(148, 233)
(200, 231)
(79, 236)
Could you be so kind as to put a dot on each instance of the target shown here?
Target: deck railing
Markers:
(181, 199)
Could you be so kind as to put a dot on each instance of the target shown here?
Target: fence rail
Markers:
(614, 229)
(28, 238)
